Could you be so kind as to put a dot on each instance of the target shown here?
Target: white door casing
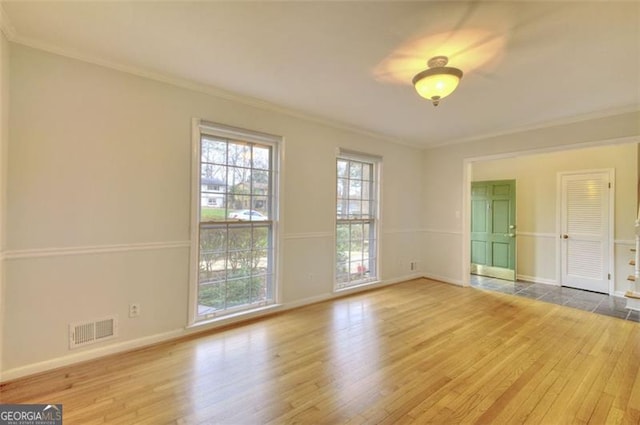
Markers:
(586, 231)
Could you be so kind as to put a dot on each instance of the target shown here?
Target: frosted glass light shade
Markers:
(437, 83)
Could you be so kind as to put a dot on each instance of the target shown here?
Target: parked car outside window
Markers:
(248, 215)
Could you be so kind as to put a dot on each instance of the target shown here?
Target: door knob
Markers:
(565, 236)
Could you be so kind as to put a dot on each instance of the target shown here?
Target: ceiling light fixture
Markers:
(437, 82)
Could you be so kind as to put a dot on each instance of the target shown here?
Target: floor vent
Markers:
(86, 333)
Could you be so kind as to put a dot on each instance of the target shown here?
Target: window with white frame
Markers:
(356, 219)
(233, 236)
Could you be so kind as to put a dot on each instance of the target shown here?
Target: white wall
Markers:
(99, 199)
(536, 177)
(445, 250)
(4, 140)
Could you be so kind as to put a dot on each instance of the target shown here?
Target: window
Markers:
(356, 220)
(233, 236)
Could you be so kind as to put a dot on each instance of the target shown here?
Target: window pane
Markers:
(355, 170)
(211, 297)
(367, 172)
(342, 272)
(355, 209)
(238, 292)
(258, 289)
(214, 151)
(343, 188)
(355, 189)
(260, 182)
(260, 208)
(366, 191)
(342, 168)
(239, 180)
(213, 174)
(239, 207)
(212, 268)
(239, 155)
(261, 157)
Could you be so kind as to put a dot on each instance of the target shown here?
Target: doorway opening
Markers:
(493, 236)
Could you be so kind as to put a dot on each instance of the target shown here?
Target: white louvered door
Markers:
(585, 230)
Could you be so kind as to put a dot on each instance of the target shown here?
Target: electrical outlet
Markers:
(134, 310)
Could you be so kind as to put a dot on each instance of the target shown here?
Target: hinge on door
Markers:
(608, 276)
(609, 185)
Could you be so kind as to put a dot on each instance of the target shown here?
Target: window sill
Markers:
(358, 286)
(235, 317)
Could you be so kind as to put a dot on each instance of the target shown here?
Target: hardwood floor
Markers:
(416, 352)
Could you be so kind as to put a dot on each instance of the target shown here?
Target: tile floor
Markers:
(576, 298)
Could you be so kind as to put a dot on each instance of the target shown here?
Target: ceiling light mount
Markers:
(437, 82)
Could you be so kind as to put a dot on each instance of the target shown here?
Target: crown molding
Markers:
(539, 126)
(5, 24)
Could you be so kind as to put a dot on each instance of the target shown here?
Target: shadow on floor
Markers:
(576, 298)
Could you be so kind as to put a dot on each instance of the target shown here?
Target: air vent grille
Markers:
(85, 333)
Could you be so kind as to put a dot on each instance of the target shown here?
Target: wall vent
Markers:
(85, 333)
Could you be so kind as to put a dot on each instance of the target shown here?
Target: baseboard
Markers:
(121, 347)
(444, 279)
(535, 279)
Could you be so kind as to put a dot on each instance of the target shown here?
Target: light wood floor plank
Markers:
(416, 352)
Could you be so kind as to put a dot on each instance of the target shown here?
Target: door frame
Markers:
(611, 266)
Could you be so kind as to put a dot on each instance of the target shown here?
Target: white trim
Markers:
(313, 235)
(546, 124)
(229, 132)
(400, 231)
(92, 354)
(194, 227)
(612, 218)
(442, 231)
(536, 234)
(357, 155)
(467, 173)
(536, 279)
(88, 250)
(278, 170)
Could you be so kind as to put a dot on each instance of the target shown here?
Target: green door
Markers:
(493, 229)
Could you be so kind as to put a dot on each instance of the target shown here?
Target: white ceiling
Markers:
(525, 63)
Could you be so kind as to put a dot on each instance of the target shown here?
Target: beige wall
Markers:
(444, 247)
(4, 140)
(536, 198)
(100, 160)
